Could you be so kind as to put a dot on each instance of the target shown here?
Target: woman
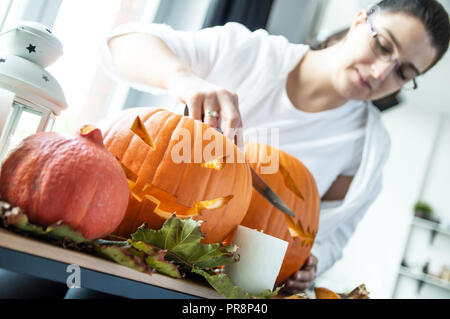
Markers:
(318, 99)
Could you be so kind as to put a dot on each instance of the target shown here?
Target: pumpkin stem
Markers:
(92, 133)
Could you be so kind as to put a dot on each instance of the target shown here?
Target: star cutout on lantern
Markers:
(31, 48)
(45, 78)
(2, 60)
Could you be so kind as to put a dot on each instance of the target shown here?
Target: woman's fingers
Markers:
(311, 263)
(211, 108)
(232, 118)
(219, 106)
(305, 275)
(296, 286)
(303, 278)
(312, 260)
(195, 105)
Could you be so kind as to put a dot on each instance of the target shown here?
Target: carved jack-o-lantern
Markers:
(296, 186)
(147, 143)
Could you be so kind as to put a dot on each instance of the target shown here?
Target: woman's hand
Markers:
(202, 97)
(303, 278)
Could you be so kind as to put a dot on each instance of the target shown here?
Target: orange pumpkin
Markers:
(293, 182)
(73, 180)
(163, 155)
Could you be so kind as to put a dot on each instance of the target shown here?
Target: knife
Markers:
(260, 185)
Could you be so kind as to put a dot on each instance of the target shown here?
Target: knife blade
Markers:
(260, 185)
(264, 189)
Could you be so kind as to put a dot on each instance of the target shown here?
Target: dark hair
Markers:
(430, 12)
(433, 16)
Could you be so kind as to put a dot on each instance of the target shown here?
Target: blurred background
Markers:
(401, 249)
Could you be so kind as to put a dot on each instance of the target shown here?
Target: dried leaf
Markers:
(359, 292)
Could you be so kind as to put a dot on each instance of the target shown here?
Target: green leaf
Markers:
(16, 218)
(155, 259)
(223, 284)
(178, 241)
(123, 255)
(181, 239)
(121, 252)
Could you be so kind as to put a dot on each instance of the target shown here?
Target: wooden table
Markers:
(33, 257)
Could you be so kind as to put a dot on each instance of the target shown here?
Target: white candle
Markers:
(260, 261)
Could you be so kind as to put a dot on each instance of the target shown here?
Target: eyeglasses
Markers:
(383, 48)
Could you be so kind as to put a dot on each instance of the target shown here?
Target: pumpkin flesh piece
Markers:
(324, 293)
(132, 177)
(139, 129)
(166, 204)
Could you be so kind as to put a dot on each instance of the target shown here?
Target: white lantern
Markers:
(30, 97)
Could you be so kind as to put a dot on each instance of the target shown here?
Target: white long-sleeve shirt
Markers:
(348, 140)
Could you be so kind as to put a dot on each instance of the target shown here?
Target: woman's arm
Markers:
(146, 59)
(338, 189)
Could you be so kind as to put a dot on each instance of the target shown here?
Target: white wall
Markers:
(373, 255)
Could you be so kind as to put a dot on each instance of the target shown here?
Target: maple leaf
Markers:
(181, 239)
(155, 258)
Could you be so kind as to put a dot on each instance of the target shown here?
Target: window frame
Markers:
(5, 14)
(167, 11)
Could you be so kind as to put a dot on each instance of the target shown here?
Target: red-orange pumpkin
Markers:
(293, 182)
(215, 190)
(73, 180)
